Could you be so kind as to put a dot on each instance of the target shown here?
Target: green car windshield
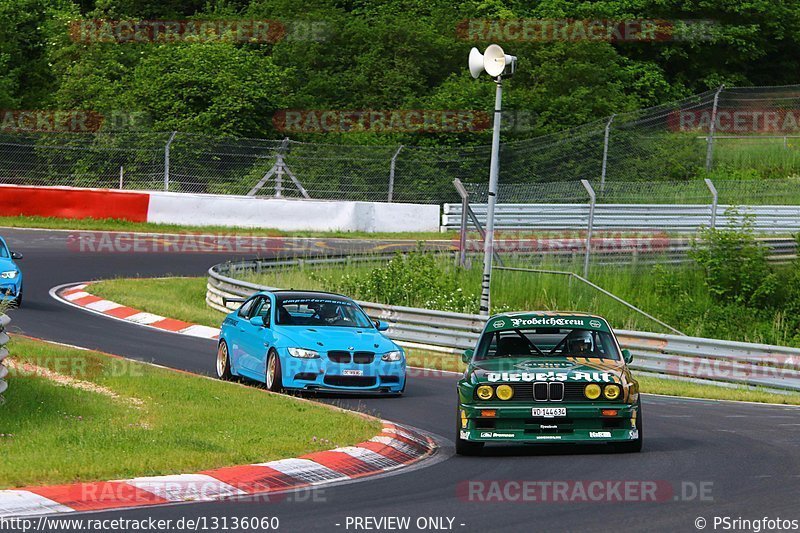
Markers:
(547, 342)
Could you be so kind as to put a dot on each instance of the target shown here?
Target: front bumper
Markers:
(583, 423)
(322, 375)
(9, 290)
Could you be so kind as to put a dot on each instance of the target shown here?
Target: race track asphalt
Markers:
(707, 459)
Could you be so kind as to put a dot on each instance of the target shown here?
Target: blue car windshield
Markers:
(321, 312)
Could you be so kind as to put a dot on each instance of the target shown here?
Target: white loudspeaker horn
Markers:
(475, 62)
(494, 60)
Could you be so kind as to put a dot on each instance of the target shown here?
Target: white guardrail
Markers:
(4, 321)
(681, 218)
(726, 363)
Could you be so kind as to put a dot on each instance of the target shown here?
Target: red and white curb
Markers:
(395, 447)
(76, 295)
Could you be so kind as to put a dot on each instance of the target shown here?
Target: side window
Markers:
(244, 309)
(262, 308)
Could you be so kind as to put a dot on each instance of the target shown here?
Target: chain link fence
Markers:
(749, 137)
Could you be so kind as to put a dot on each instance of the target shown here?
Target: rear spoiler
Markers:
(225, 300)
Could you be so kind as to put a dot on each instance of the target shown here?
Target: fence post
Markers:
(590, 226)
(462, 236)
(121, 176)
(711, 128)
(714, 201)
(166, 161)
(4, 320)
(605, 153)
(391, 173)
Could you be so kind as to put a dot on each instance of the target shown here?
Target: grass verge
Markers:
(76, 415)
(183, 298)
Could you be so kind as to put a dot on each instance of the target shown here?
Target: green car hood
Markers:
(531, 369)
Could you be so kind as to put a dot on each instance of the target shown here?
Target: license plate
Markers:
(352, 372)
(549, 412)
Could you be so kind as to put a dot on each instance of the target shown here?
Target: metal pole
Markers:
(714, 201)
(711, 128)
(462, 237)
(596, 287)
(592, 200)
(494, 170)
(166, 161)
(121, 174)
(391, 173)
(605, 152)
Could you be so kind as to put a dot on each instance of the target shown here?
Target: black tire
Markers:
(465, 447)
(275, 384)
(223, 362)
(634, 446)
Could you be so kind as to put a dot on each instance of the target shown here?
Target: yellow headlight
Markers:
(611, 392)
(592, 391)
(504, 392)
(485, 392)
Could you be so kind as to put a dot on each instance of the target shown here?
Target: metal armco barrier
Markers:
(684, 218)
(4, 321)
(669, 356)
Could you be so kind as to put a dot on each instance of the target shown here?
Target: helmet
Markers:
(328, 311)
(580, 342)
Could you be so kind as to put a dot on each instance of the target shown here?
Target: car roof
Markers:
(286, 294)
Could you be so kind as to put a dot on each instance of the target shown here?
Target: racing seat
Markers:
(284, 316)
(512, 346)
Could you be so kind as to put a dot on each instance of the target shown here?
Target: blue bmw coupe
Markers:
(309, 341)
(10, 276)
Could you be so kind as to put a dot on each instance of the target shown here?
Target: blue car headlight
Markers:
(392, 357)
(302, 353)
(9, 274)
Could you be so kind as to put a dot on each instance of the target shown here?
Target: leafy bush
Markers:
(735, 265)
(415, 279)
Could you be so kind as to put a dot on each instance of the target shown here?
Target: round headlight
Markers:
(485, 392)
(592, 391)
(611, 392)
(504, 392)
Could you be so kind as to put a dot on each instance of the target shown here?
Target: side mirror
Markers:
(627, 355)
(16, 255)
(260, 321)
(467, 356)
(381, 325)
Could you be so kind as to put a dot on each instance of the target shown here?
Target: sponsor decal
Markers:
(493, 435)
(499, 324)
(600, 434)
(544, 426)
(595, 323)
(529, 377)
(548, 437)
(463, 435)
(534, 365)
(634, 434)
(546, 321)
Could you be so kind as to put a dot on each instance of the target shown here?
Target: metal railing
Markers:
(4, 321)
(678, 218)
(670, 356)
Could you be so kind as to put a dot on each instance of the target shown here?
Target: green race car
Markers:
(548, 378)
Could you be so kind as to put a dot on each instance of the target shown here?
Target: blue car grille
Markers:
(360, 358)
